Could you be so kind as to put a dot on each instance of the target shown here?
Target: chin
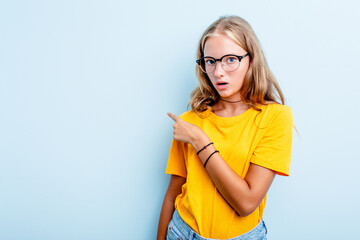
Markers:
(224, 95)
(229, 95)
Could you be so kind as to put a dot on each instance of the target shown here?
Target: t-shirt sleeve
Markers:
(274, 149)
(176, 162)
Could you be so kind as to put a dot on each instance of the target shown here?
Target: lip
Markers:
(221, 86)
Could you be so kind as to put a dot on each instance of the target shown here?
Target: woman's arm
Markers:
(244, 195)
(168, 208)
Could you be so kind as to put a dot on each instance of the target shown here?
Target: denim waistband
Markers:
(259, 232)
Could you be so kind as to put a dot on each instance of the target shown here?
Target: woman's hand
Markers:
(187, 132)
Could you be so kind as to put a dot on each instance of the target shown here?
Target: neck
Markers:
(238, 101)
(229, 107)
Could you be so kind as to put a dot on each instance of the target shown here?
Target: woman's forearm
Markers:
(243, 195)
(167, 211)
(168, 207)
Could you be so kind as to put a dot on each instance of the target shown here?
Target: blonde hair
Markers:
(259, 87)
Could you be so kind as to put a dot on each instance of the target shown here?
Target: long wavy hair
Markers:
(259, 87)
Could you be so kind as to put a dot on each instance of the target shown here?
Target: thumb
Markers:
(174, 117)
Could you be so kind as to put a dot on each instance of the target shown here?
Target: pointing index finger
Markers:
(174, 117)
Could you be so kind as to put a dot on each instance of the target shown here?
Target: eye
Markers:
(231, 59)
(209, 61)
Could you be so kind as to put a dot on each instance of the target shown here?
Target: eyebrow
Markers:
(226, 55)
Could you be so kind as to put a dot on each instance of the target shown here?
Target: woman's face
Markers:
(227, 84)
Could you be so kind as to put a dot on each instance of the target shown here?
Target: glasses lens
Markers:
(202, 65)
(230, 63)
(209, 64)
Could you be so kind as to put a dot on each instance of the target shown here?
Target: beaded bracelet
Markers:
(204, 148)
(210, 157)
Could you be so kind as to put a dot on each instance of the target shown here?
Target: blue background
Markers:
(84, 91)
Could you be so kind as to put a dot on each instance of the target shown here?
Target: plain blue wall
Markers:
(84, 91)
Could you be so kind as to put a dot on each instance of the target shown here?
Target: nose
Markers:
(219, 69)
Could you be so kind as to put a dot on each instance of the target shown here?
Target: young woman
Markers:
(227, 150)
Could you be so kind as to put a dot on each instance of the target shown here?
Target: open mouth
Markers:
(221, 83)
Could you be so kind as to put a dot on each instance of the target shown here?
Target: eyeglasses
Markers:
(229, 62)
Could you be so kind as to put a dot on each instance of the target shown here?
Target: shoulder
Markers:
(192, 117)
(189, 115)
(275, 107)
(277, 112)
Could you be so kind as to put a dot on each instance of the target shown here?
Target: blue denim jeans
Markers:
(179, 230)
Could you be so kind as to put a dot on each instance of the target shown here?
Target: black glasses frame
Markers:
(198, 61)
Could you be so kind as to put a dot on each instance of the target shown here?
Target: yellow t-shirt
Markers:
(262, 138)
